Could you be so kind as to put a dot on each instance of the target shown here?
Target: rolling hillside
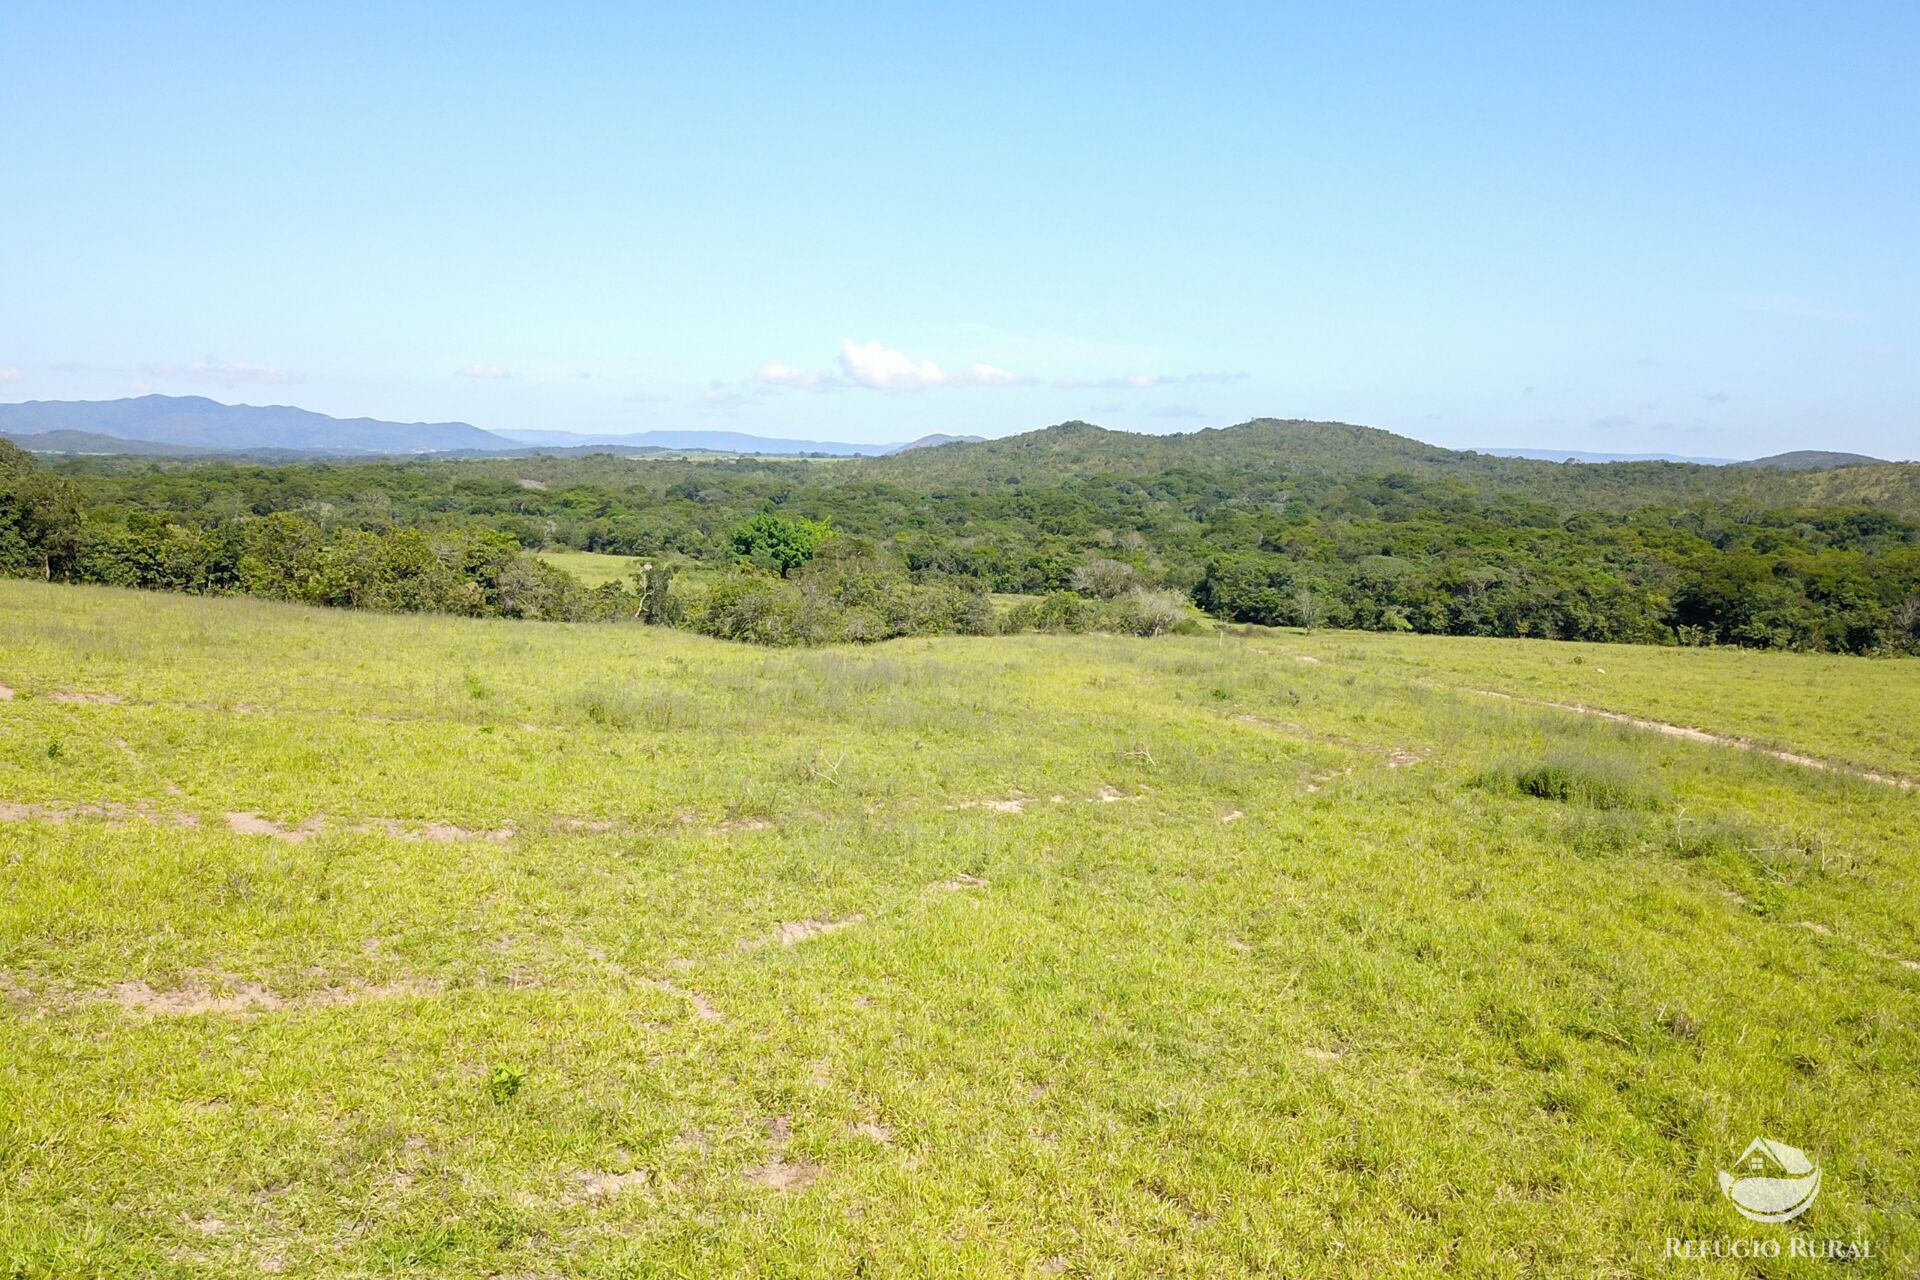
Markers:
(363, 945)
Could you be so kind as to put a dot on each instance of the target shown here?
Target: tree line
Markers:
(820, 552)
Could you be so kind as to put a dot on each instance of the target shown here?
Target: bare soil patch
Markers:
(959, 883)
(6, 693)
(1016, 804)
(110, 811)
(1701, 735)
(141, 998)
(597, 1185)
(249, 997)
(702, 1007)
(252, 824)
(87, 699)
(795, 932)
(780, 1174)
(732, 825)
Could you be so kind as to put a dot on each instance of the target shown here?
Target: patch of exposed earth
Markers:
(1701, 735)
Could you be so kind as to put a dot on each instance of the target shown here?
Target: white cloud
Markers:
(785, 375)
(869, 364)
(229, 372)
(8, 373)
(884, 369)
(987, 375)
(1148, 381)
(490, 371)
(881, 368)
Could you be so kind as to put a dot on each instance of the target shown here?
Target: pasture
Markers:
(337, 943)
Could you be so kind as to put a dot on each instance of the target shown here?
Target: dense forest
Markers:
(1274, 523)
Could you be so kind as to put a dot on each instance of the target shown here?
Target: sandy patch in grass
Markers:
(252, 824)
(110, 811)
(248, 997)
(795, 932)
(444, 831)
(1321, 1055)
(1232, 815)
(1701, 735)
(1016, 805)
(1814, 926)
(594, 1185)
(780, 1173)
(875, 1131)
(140, 997)
(739, 824)
(1401, 758)
(702, 1007)
(87, 699)
(6, 693)
(959, 883)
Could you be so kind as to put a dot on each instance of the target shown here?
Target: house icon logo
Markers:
(1771, 1182)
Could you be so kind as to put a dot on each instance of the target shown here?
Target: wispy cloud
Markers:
(785, 375)
(491, 372)
(878, 367)
(230, 373)
(881, 368)
(1780, 304)
(9, 373)
(1148, 381)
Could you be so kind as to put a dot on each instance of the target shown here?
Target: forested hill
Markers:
(1271, 522)
(1270, 449)
(1080, 448)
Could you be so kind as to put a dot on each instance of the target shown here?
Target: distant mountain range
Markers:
(193, 426)
(187, 426)
(1813, 460)
(706, 441)
(196, 423)
(1577, 455)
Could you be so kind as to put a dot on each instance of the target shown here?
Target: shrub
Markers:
(611, 706)
(1143, 612)
(1585, 780)
(1104, 579)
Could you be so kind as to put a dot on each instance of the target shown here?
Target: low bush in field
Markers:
(847, 592)
(1581, 779)
(1139, 611)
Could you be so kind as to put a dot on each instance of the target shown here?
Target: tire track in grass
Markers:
(1692, 734)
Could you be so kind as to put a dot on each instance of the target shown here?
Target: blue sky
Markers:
(1681, 228)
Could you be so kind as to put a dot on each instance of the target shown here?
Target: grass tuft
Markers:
(1581, 779)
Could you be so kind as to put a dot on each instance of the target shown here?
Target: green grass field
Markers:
(593, 568)
(345, 944)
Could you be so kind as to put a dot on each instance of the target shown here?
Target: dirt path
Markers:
(1701, 735)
